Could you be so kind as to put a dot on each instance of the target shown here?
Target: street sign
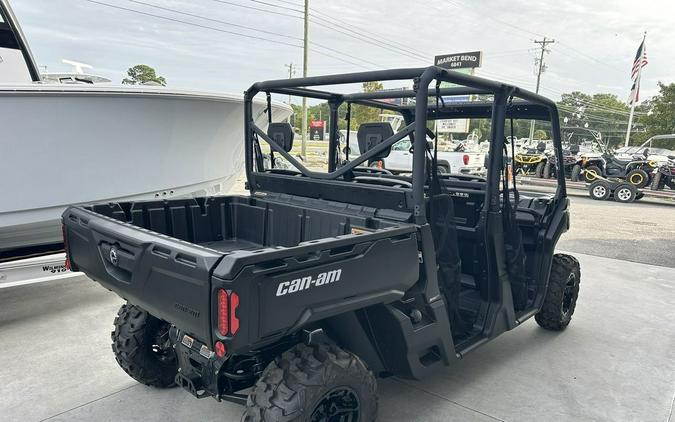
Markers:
(464, 63)
(452, 126)
(469, 60)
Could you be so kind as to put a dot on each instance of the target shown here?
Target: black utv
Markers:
(319, 282)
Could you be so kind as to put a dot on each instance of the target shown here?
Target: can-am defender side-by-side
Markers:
(321, 281)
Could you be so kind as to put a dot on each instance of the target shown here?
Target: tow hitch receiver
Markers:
(190, 384)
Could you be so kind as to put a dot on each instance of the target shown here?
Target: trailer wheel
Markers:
(599, 190)
(625, 192)
(561, 295)
(142, 347)
(313, 383)
(638, 178)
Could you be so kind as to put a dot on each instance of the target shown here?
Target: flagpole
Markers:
(633, 100)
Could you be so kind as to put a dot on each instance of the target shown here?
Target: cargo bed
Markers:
(170, 256)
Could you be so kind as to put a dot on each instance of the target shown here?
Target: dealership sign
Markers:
(317, 129)
(469, 60)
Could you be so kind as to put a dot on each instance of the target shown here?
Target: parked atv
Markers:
(292, 300)
(570, 159)
(532, 161)
(636, 171)
(664, 175)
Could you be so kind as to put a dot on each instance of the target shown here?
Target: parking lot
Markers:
(616, 362)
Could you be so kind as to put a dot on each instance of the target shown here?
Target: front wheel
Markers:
(142, 347)
(313, 383)
(561, 295)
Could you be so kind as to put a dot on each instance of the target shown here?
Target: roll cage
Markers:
(527, 105)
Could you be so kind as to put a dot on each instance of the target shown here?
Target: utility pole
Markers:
(542, 67)
(291, 72)
(305, 48)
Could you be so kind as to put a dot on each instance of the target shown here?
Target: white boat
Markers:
(63, 144)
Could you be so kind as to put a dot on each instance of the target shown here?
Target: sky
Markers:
(226, 45)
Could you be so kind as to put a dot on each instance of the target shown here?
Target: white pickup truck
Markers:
(400, 157)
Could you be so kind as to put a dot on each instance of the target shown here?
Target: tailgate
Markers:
(167, 277)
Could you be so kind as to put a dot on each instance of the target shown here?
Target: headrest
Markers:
(574, 148)
(282, 134)
(541, 146)
(372, 134)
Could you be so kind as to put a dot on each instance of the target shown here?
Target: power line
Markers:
(535, 34)
(258, 9)
(250, 28)
(191, 23)
(214, 20)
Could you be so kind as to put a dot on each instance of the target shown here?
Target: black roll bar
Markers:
(422, 78)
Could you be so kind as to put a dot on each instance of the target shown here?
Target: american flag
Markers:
(634, 95)
(640, 60)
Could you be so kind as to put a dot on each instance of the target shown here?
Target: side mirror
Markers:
(430, 145)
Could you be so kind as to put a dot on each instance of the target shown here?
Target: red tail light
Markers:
(228, 303)
(465, 158)
(223, 313)
(234, 320)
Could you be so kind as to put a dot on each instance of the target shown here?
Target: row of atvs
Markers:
(655, 169)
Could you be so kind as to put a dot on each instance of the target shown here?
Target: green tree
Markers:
(364, 114)
(660, 117)
(142, 73)
(602, 112)
(539, 134)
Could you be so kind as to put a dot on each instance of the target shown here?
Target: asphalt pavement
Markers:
(639, 232)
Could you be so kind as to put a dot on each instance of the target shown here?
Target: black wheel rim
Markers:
(568, 294)
(340, 404)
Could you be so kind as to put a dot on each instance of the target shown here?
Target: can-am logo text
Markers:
(304, 283)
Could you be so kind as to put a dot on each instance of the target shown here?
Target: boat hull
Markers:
(62, 146)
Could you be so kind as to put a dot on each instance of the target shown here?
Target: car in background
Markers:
(400, 158)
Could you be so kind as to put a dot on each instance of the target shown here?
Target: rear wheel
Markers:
(592, 173)
(625, 193)
(599, 190)
(549, 171)
(313, 383)
(576, 173)
(539, 170)
(657, 182)
(561, 295)
(638, 178)
(142, 347)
